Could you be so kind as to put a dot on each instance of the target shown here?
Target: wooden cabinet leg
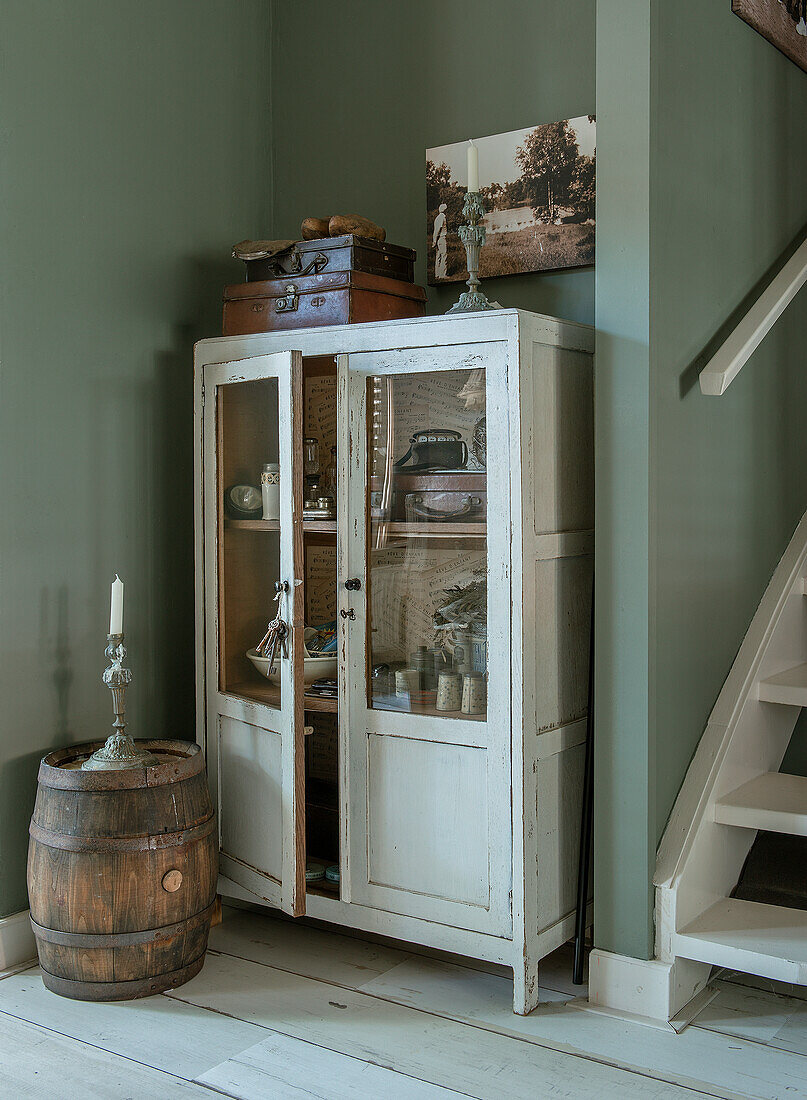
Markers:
(526, 995)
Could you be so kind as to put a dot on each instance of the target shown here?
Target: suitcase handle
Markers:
(315, 265)
(426, 512)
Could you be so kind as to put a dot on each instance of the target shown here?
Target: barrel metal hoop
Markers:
(186, 760)
(120, 844)
(120, 939)
(122, 991)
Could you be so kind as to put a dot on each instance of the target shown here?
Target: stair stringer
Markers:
(699, 861)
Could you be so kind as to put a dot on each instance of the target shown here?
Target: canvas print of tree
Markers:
(538, 187)
(782, 22)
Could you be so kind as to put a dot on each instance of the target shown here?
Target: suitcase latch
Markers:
(288, 303)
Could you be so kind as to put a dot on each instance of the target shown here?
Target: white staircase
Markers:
(732, 789)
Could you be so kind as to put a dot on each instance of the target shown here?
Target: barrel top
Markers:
(61, 768)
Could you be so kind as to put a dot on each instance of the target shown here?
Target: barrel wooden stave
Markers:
(75, 957)
(107, 921)
(175, 806)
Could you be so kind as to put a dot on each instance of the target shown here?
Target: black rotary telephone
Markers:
(435, 449)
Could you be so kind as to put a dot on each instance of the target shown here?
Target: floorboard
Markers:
(311, 952)
(283, 1068)
(283, 1010)
(164, 1034)
(696, 1058)
(440, 1051)
(36, 1064)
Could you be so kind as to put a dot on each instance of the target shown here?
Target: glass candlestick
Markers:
(472, 236)
(120, 751)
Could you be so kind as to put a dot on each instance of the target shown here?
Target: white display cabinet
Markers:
(461, 545)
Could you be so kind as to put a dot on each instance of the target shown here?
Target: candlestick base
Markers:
(120, 751)
(473, 236)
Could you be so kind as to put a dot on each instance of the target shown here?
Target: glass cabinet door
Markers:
(427, 605)
(427, 544)
(253, 479)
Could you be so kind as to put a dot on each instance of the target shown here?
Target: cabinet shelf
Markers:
(315, 526)
(427, 530)
(269, 694)
(381, 702)
(423, 530)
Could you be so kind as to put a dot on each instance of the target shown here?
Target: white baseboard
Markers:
(643, 987)
(17, 943)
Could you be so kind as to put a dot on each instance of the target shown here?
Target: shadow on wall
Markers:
(171, 457)
(689, 377)
(17, 793)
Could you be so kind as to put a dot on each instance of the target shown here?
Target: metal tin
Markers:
(314, 872)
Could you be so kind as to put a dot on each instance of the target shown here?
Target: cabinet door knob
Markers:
(349, 614)
(353, 585)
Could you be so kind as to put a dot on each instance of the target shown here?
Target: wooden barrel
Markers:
(122, 870)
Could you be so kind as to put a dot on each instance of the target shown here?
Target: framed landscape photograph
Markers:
(782, 22)
(538, 187)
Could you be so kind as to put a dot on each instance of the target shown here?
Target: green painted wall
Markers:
(729, 474)
(361, 89)
(134, 147)
(624, 849)
(727, 478)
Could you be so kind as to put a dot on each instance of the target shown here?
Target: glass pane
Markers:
(249, 536)
(427, 545)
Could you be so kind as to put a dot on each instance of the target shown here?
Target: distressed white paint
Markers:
(774, 801)
(17, 944)
(641, 987)
(497, 880)
(250, 828)
(428, 812)
(732, 789)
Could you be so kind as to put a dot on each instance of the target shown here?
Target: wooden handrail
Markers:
(745, 338)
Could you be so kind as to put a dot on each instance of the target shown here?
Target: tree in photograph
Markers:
(581, 187)
(441, 188)
(547, 160)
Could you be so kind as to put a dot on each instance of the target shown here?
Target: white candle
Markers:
(473, 167)
(116, 607)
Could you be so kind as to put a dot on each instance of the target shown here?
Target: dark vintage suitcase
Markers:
(308, 301)
(329, 254)
(436, 496)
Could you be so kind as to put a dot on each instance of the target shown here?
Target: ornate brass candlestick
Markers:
(472, 236)
(120, 751)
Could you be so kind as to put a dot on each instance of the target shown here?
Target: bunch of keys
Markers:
(275, 637)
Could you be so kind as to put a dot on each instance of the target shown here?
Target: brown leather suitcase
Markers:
(308, 301)
(329, 254)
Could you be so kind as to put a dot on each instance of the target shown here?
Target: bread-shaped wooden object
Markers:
(340, 224)
(313, 229)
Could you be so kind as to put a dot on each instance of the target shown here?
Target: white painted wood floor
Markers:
(286, 1011)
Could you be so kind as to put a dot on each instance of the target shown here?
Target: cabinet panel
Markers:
(562, 436)
(255, 748)
(427, 490)
(423, 836)
(250, 768)
(562, 622)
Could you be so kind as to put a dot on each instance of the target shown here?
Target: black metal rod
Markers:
(586, 819)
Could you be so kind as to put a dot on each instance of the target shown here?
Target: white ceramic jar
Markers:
(270, 490)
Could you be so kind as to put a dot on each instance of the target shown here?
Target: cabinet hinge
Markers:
(203, 397)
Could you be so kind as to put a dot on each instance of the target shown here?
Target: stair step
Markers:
(789, 687)
(775, 802)
(767, 940)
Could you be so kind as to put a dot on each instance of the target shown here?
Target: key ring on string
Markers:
(273, 627)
